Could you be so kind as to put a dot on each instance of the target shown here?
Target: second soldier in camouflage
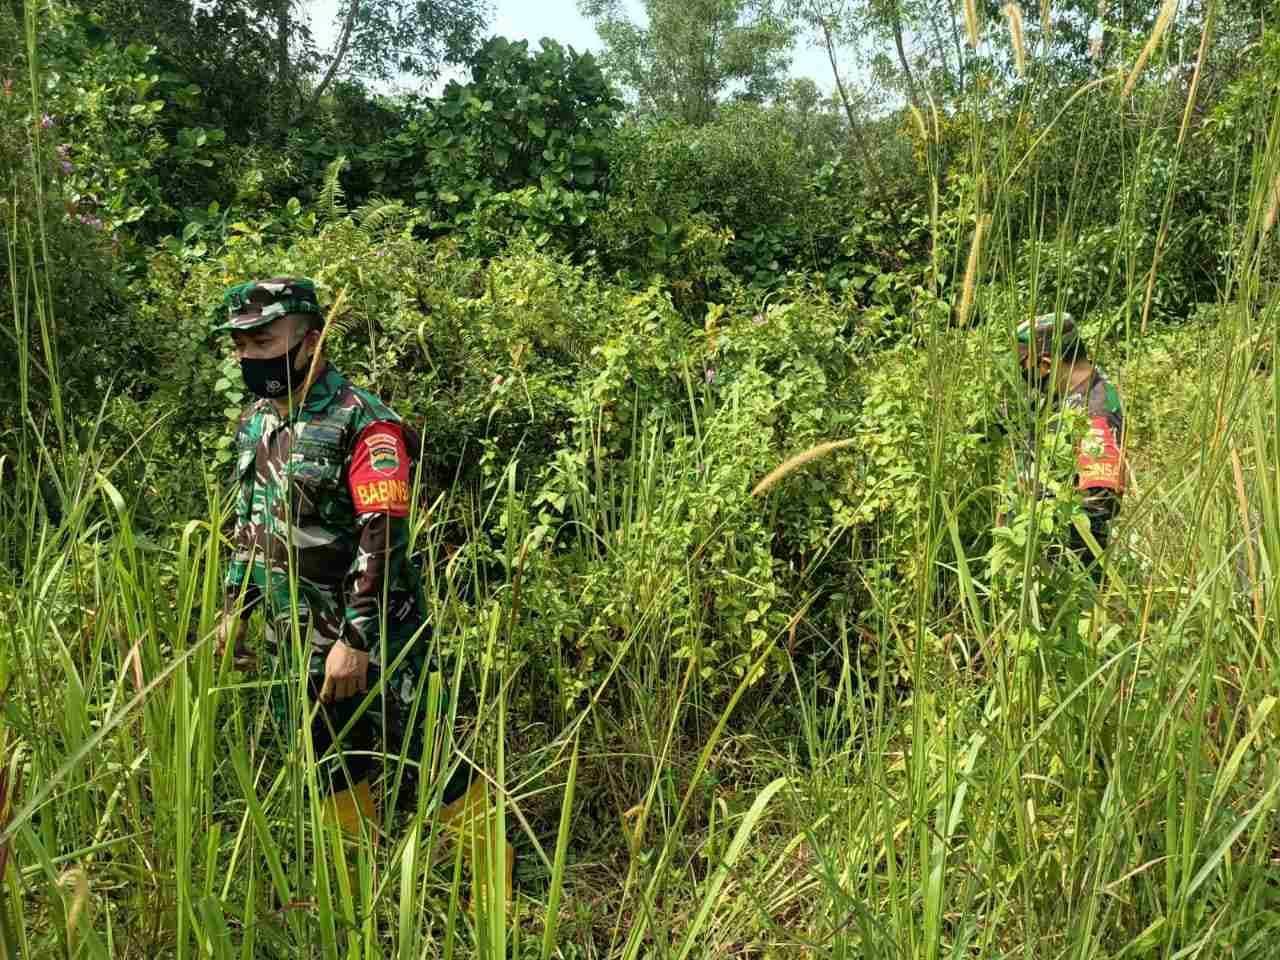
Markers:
(1055, 362)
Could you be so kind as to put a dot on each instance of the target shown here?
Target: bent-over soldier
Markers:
(1053, 360)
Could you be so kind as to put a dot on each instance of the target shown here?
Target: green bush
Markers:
(125, 157)
(521, 143)
(742, 173)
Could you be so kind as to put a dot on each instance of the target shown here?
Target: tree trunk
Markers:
(895, 21)
(955, 34)
(284, 73)
(854, 132)
(344, 41)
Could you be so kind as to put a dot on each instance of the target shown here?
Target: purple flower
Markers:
(711, 374)
(46, 121)
(90, 221)
(67, 166)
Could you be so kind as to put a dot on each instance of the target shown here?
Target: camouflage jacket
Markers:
(325, 493)
(1099, 466)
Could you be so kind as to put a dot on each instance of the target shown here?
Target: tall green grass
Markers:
(1115, 799)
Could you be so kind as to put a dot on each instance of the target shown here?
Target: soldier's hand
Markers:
(231, 630)
(346, 673)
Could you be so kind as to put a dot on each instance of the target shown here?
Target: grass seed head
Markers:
(971, 270)
(1167, 11)
(73, 884)
(798, 461)
(1014, 13)
(1273, 207)
(920, 127)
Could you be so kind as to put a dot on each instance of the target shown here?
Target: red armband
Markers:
(378, 474)
(1098, 463)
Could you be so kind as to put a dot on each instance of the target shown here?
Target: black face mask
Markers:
(273, 377)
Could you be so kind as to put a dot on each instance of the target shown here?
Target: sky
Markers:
(559, 19)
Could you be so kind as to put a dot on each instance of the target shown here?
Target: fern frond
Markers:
(380, 217)
(332, 205)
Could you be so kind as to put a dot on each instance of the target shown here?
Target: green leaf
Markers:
(657, 226)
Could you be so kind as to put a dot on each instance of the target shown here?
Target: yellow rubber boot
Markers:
(347, 808)
(469, 820)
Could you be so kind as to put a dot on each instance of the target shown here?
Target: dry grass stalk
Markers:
(971, 22)
(798, 461)
(9, 783)
(1205, 36)
(971, 270)
(1167, 11)
(1242, 500)
(335, 311)
(1014, 13)
(133, 661)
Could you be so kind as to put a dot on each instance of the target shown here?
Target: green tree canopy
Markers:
(689, 53)
(257, 61)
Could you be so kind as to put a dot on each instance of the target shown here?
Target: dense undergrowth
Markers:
(850, 715)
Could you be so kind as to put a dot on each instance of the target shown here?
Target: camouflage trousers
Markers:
(372, 736)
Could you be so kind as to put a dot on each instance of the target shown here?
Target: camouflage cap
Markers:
(256, 303)
(1046, 329)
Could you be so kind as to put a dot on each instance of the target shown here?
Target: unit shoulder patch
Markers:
(383, 450)
(378, 475)
(1099, 463)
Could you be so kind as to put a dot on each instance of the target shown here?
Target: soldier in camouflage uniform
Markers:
(321, 542)
(1054, 360)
